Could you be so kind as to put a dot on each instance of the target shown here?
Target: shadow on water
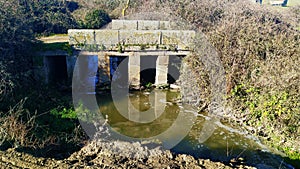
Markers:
(226, 144)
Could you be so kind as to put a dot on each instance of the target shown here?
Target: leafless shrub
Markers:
(259, 48)
(19, 128)
(15, 127)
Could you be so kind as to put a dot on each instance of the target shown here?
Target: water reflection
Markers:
(204, 135)
(140, 107)
(149, 115)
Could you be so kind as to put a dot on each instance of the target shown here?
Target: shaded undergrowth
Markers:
(44, 123)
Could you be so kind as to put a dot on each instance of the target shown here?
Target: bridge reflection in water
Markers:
(169, 125)
(146, 113)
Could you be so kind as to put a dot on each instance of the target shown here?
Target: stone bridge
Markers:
(150, 50)
(145, 44)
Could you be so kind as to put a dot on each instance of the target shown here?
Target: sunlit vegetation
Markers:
(258, 46)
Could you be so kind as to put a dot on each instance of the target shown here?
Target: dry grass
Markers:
(55, 38)
(259, 49)
(15, 127)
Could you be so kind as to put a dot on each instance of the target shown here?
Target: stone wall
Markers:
(133, 33)
(141, 25)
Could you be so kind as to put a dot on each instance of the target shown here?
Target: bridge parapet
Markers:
(141, 25)
(128, 35)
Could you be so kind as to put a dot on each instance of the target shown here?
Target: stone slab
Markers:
(134, 59)
(103, 68)
(165, 25)
(148, 25)
(134, 76)
(140, 25)
(81, 36)
(181, 38)
(134, 69)
(107, 37)
(139, 37)
(163, 60)
(124, 24)
(162, 69)
(161, 79)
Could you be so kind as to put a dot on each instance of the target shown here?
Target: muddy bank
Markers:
(115, 154)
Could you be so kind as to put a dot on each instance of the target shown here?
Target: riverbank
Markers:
(108, 155)
(258, 48)
(261, 91)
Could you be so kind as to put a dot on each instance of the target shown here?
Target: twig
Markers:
(240, 154)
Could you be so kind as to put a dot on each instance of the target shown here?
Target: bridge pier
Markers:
(134, 66)
(103, 68)
(162, 63)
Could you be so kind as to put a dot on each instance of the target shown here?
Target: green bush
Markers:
(16, 41)
(96, 19)
(64, 113)
(49, 16)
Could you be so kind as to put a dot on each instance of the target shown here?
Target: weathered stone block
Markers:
(163, 60)
(134, 75)
(81, 36)
(177, 37)
(134, 69)
(103, 68)
(161, 78)
(139, 37)
(107, 37)
(148, 25)
(165, 25)
(124, 24)
(162, 69)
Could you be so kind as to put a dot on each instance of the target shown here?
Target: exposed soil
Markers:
(115, 154)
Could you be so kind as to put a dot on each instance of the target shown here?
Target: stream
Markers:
(161, 116)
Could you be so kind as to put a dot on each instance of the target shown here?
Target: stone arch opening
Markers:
(148, 70)
(114, 62)
(56, 69)
(174, 68)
